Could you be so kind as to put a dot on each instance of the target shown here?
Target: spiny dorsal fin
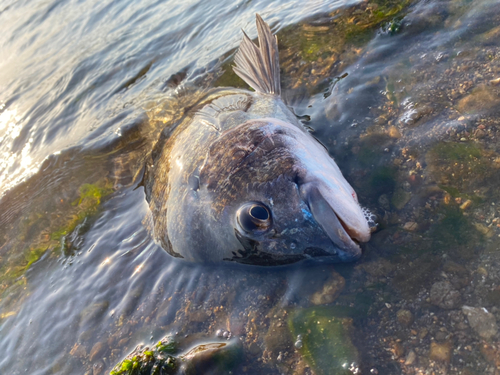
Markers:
(259, 66)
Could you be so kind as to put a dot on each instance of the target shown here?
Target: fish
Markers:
(240, 179)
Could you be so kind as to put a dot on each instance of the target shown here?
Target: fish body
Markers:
(241, 179)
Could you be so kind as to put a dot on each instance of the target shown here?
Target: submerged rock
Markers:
(441, 352)
(330, 291)
(481, 321)
(208, 358)
(482, 98)
(405, 317)
(445, 296)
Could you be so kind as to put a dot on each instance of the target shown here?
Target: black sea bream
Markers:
(240, 178)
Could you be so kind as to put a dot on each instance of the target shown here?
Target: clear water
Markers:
(79, 77)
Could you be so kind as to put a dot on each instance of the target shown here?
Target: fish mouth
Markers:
(341, 220)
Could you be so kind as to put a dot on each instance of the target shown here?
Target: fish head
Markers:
(275, 196)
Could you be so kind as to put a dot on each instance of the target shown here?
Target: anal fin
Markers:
(259, 66)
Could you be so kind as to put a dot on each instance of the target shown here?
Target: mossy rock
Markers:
(164, 359)
(39, 232)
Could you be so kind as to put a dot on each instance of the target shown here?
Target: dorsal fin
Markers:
(259, 66)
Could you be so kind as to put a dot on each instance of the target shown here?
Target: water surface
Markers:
(85, 87)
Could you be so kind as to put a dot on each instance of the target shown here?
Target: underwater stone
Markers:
(405, 317)
(330, 291)
(482, 98)
(445, 296)
(400, 198)
(440, 352)
(481, 321)
(212, 358)
(208, 358)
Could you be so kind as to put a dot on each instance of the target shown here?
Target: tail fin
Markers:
(259, 66)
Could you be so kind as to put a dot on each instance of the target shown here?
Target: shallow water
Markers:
(413, 126)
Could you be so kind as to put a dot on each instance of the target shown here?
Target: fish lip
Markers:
(348, 231)
(344, 238)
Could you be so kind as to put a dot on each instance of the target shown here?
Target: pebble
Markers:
(405, 317)
(411, 357)
(481, 98)
(398, 349)
(444, 295)
(254, 349)
(394, 132)
(440, 352)
(98, 368)
(481, 321)
(96, 351)
(330, 291)
(410, 226)
(466, 204)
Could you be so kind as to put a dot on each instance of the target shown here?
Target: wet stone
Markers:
(405, 317)
(94, 312)
(212, 358)
(411, 358)
(398, 349)
(96, 351)
(440, 352)
(78, 351)
(410, 226)
(441, 336)
(444, 295)
(378, 268)
(481, 321)
(254, 349)
(330, 291)
(98, 368)
(482, 98)
(400, 198)
(394, 132)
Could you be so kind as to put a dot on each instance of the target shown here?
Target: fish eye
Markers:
(254, 217)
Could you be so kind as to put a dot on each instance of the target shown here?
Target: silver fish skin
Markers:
(240, 179)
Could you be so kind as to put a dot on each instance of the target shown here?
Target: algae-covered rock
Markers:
(324, 340)
(151, 361)
(163, 359)
(31, 236)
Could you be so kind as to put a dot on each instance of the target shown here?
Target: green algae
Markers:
(148, 361)
(456, 151)
(39, 232)
(166, 345)
(461, 168)
(383, 180)
(326, 342)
